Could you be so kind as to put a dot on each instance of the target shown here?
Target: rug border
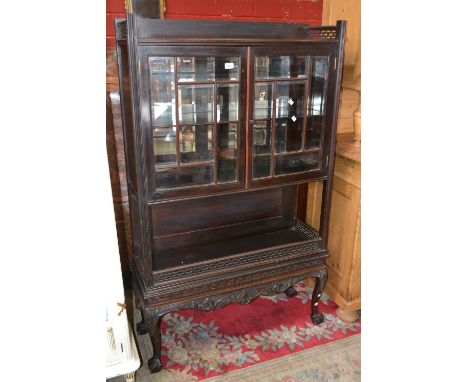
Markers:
(345, 342)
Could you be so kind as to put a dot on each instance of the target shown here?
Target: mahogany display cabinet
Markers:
(222, 122)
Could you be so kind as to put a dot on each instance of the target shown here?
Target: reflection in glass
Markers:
(227, 152)
(184, 176)
(227, 139)
(195, 104)
(290, 99)
(228, 102)
(314, 131)
(164, 144)
(263, 107)
(288, 164)
(190, 69)
(262, 137)
(261, 166)
(196, 143)
(162, 90)
(319, 70)
(289, 134)
(280, 67)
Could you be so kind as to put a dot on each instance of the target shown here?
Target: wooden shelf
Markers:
(297, 234)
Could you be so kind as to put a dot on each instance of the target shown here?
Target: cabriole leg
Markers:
(320, 281)
(154, 363)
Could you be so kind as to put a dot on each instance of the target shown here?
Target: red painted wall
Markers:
(301, 11)
(114, 9)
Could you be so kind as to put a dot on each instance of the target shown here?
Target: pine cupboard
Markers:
(222, 122)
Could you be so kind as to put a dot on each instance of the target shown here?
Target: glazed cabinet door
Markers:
(289, 96)
(193, 100)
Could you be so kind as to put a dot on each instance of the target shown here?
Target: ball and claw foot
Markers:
(291, 292)
(316, 318)
(141, 328)
(154, 365)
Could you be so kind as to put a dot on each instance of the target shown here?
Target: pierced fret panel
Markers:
(322, 34)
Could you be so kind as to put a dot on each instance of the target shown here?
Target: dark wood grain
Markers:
(209, 245)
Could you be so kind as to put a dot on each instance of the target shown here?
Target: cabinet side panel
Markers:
(127, 121)
(135, 223)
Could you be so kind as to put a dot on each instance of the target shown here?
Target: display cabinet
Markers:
(222, 122)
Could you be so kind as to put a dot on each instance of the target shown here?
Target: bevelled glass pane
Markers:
(164, 144)
(227, 152)
(290, 98)
(195, 104)
(228, 102)
(288, 164)
(227, 138)
(162, 90)
(280, 67)
(289, 134)
(314, 131)
(190, 69)
(263, 107)
(319, 72)
(261, 166)
(184, 176)
(196, 143)
(289, 115)
(262, 137)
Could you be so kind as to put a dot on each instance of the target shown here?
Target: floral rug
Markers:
(204, 345)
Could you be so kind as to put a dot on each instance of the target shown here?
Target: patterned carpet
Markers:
(270, 339)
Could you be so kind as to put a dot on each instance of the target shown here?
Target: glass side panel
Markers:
(263, 106)
(289, 164)
(190, 69)
(184, 176)
(196, 143)
(267, 67)
(162, 90)
(196, 104)
(227, 152)
(261, 166)
(316, 111)
(164, 144)
(228, 102)
(319, 72)
(262, 137)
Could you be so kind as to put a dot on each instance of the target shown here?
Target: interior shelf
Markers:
(297, 234)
